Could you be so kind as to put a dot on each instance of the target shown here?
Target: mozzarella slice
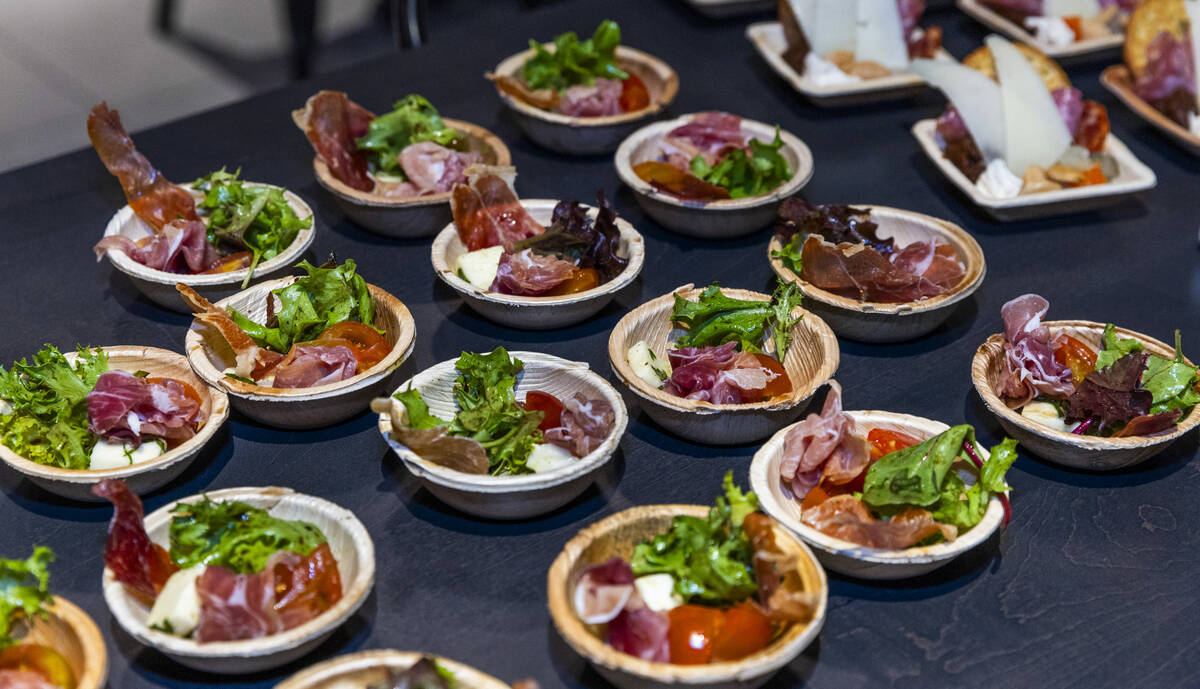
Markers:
(1046, 414)
(479, 267)
(106, 455)
(1035, 133)
(832, 25)
(177, 608)
(880, 34)
(976, 97)
(1193, 13)
(1068, 8)
(658, 592)
(548, 457)
(646, 365)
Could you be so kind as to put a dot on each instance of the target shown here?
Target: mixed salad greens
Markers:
(257, 219)
(47, 418)
(743, 173)
(575, 62)
(24, 588)
(235, 535)
(413, 119)
(715, 319)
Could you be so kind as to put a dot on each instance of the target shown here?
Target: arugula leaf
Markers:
(791, 253)
(24, 587)
(575, 62)
(1172, 382)
(412, 119)
(48, 423)
(715, 319)
(742, 174)
(786, 298)
(235, 535)
(311, 305)
(710, 559)
(1115, 347)
(418, 411)
(488, 411)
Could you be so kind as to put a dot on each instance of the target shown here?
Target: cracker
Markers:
(1052, 75)
(1147, 21)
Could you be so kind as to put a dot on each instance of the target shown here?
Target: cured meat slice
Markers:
(250, 360)
(136, 561)
(433, 445)
(434, 169)
(780, 588)
(836, 223)
(486, 209)
(585, 423)
(182, 247)
(154, 199)
(310, 365)
(711, 132)
(602, 591)
(641, 632)
(545, 99)
(331, 121)
(860, 272)
(122, 406)
(306, 586)
(1029, 364)
(823, 447)
(718, 375)
(237, 606)
(603, 98)
(529, 274)
(24, 679)
(845, 517)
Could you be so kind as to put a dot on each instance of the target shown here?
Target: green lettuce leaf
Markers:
(1115, 347)
(235, 535)
(413, 119)
(1172, 382)
(24, 587)
(791, 253)
(575, 62)
(715, 319)
(418, 410)
(488, 411)
(742, 174)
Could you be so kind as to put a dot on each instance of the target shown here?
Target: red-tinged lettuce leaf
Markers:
(835, 222)
(1111, 394)
(573, 237)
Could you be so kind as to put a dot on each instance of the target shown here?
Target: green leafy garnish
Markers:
(48, 423)
(412, 119)
(715, 319)
(235, 535)
(24, 587)
(575, 62)
(257, 219)
(1115, 347)
(417, 411)
(791, 252)
(1172, 382)
(312, 304)
(710, 559)
(742, 174)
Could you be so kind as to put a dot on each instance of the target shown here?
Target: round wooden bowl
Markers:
(510, 497)
(811, 360)
(616, 536)
(879, 322)
(351, 546)
(370, 668)
(70, 631)
(591, 135)
(537, 313)
(159, 285)
(1068, 449)
(711, 219)
(415, 216)
(142, 477)
(852, 559)
(312, 407)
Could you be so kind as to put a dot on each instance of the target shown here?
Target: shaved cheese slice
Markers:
(1034, 131)
(828, 25)
(1193, 13)
(805, 12)
(1068, 8)
(880, 36)
(976, 97)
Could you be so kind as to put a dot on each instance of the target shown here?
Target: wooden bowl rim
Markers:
(371, 199)
(510, 65)
(119, 600)
(488, 484)
(197, 355)
(94, 672)
(303, 240)
(777, 654)
(336, 668)
(633, 240)
(800, 176)
(217, 415)
(1117, 79)
(761, 476)
(993, 347)
(620, 363)
(960, 239)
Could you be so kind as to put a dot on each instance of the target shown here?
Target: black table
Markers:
(1092, 585)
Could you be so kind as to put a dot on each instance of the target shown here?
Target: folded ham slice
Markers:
(602, 591)
(311, 365)
(123, 407)
(486, 209)
(182, 247)
(845, 517)
(1029, 366)
(528, 274)
(860, 272)
(602, 98)
(250, 360)
(585, 423)
(136, 561)
(332, 122)
(823, 447)
(237, 606)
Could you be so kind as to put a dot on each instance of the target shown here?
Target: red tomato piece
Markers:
(781, 384)
(692, 632)
(1093, 126)
(1076, 356)
(580, 280)
(368, 345)
(884, 441)
(41, 660)
(634, 94)
(548, 404)
(746, 630)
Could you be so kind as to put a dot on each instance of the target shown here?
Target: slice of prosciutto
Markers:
(528, 274)
(332, 122)
(250, 360)
(823, 447)
(845, 517)
(585, 423)
(123, 407)
(182, 247)
(136, 561)
(780, 589)
(24, 679)
(603, 590)
(310, 365)
(602, 98)
(860, 272)
(486, 209)
(434, 169)
(641, 632)
(718, 375)
(1029, 367)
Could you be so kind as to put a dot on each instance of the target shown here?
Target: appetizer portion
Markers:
(1161, 49)
(837, 248)
(886, 489)
(708, 590)
(426, 673)
(231, 571)
(25, 587)
(236, 225)
(1015, 125)
(80, 415)
(846, 41)
(712, 158)
(1062, 383)
(493, 432)
(731, 350)
(318, 330)
(1060, 23)
(577, 78)
(406, 153)
(508, 252)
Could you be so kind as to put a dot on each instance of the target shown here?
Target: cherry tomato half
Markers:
(693, 630)
(581, 280)
(368, 345)
(548, 404)
(746, 630)
(1076, 356)
(884, 441)
(780, 384)
(634, 95)
(41, 660)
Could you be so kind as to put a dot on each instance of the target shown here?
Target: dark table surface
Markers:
(1092, 585)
